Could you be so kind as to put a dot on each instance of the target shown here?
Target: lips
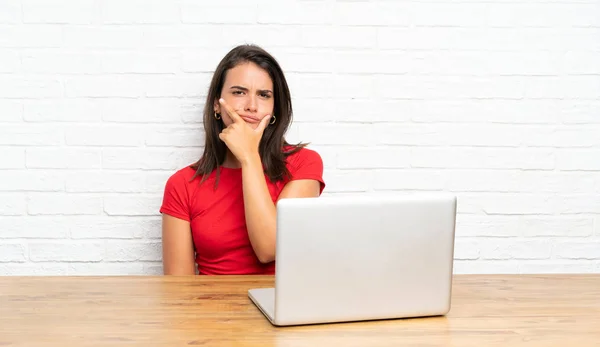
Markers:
(250, 119)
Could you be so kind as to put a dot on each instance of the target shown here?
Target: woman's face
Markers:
(248, 89)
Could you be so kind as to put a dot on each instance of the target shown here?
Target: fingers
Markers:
(224, 133)
(263, 124)
(232, 114)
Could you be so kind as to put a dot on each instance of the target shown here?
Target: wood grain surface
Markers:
(487, 310)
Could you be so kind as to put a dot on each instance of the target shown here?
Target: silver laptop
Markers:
(358, 258)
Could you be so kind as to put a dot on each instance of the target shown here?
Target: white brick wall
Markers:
(496, 101)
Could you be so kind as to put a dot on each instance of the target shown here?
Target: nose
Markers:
(251, 104)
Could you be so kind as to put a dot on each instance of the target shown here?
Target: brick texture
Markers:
(498, 102)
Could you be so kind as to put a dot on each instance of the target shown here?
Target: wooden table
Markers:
(487, 310)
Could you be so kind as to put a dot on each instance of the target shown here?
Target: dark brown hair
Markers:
(272, 148)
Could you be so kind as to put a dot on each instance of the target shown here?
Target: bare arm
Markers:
(260, 209)
(177, 247)
(243, 142)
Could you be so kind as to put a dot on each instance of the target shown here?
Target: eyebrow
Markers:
(246, 89)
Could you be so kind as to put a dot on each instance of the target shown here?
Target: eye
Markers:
(265, 95)
(237, 92)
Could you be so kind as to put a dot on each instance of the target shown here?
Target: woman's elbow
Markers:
(266, 257)
(179, 270)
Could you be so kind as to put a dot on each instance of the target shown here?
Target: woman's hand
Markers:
(239, 137)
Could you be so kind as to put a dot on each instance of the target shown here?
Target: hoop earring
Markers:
(217, 116)
(273, 120)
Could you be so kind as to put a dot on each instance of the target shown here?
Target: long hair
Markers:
(272, 148)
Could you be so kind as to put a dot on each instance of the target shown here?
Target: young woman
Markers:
(219, 213)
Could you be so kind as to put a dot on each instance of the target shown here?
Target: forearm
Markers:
(259, 208)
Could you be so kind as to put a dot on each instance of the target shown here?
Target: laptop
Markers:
(360, 258)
